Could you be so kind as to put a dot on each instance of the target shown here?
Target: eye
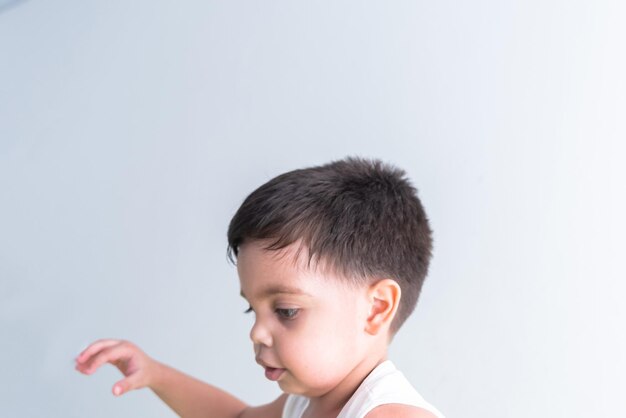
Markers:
(248, 310)
(290, 313)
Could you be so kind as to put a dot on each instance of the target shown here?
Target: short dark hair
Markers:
(361, 217)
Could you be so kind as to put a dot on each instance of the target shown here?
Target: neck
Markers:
(331, 403)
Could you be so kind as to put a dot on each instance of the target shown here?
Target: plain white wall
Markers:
(131, 131)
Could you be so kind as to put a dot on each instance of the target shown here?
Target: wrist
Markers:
(157, 375)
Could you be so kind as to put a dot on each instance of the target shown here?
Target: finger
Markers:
(107, 355)
(128, 384)
(97, 346)
(94, 348)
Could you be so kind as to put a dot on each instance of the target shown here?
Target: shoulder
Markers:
(396, 410)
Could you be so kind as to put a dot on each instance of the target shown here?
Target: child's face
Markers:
(308, 331)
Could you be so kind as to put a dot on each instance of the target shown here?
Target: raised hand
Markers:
(138, 368)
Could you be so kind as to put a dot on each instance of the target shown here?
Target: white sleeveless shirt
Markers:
(384, 385)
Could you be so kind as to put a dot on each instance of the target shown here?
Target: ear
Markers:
(383, 298)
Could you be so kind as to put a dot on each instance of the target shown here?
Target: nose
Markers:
(260, 335)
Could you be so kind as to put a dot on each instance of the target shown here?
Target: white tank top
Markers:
(384, 385)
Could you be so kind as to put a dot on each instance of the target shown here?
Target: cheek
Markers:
(327, 359)
(324, 344)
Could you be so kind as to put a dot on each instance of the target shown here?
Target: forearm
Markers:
(192, 398)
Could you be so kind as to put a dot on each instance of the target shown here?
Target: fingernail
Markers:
(117, 390)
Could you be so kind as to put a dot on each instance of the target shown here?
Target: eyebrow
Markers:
(278, 289)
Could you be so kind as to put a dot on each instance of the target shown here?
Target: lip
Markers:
(273, 374)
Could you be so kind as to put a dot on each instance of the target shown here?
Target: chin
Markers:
(298, 389)
(290, 388)
(286, 387)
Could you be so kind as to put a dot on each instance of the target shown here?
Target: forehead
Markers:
(263, 271)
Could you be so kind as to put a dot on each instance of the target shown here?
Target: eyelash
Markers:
(284, 313)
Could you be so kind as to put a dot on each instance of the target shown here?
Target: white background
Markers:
(130, 132)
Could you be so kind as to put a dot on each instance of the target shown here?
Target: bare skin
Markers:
(191, 398)
(322, 336)
(187, 396)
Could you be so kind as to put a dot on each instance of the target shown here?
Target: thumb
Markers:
(125, 385)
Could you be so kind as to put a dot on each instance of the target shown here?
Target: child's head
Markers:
(359, 219)
(331, 260)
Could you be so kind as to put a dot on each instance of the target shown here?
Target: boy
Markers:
(331, 260)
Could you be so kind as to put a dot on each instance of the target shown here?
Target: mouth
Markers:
(273, 374)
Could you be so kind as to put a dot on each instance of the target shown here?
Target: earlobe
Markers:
(384, 299)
